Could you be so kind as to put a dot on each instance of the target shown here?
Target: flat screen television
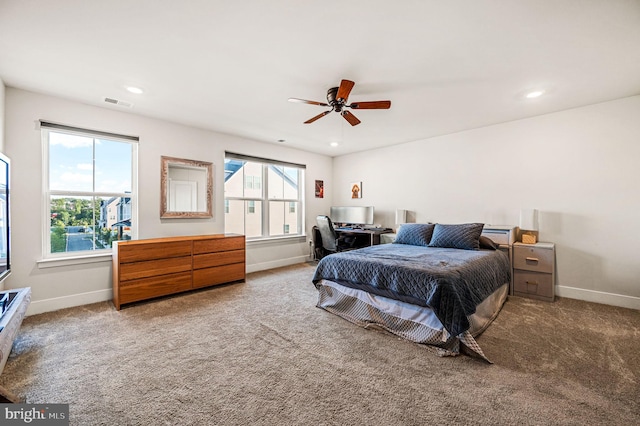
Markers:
(5, 257)
(352, 215)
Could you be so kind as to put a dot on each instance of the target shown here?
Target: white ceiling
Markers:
(230, 66)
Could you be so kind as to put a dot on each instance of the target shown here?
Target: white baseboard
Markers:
(53, 304)
(48, 305)
(630, 302)
(276, 263)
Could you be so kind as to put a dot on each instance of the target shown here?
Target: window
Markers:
(263, 198)
(248, 182)
(89, 188)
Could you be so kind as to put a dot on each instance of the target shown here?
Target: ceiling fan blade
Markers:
(371, 105)
(304, 101)
(344, 89)
(311, 120)
(352, 119)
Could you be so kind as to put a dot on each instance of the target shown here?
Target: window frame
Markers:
(265, 199)
(48, 258)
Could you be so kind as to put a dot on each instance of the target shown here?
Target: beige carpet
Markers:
(261, 353)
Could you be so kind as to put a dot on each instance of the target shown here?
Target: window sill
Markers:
(106, 257)
(73, 260)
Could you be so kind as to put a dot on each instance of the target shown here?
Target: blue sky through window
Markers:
(72, 164)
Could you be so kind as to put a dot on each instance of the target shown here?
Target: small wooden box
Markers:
(529, 238)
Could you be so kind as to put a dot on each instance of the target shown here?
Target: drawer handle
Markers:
(531, 259)
(531, 282)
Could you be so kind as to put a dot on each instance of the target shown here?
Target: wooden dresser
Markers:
(143, 269)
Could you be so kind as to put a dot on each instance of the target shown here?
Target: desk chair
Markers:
(331, 241)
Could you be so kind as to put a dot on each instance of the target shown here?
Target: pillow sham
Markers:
(415, 234)
(464, 236)
(487, 243)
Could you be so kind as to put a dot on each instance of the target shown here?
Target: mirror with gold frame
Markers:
(186, 188)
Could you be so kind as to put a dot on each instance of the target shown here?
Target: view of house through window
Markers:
(90, 189)
(263, 198)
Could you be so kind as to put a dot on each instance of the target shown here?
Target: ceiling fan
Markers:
(337, 100)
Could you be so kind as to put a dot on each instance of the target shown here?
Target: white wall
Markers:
(578, 167)
(2, 96)
(58, 287)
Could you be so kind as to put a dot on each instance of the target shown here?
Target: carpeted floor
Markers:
(261, 353)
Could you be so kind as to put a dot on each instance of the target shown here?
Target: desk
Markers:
(371, 237)
(373, 233)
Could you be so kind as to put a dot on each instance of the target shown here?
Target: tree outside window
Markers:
(90, 190)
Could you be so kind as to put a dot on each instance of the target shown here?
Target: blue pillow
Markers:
(487, 243)
(415, 234)
(464, 236)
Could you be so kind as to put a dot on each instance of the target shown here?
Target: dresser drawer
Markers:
(218, 275)
(217, 259)
(218, 244)
(533, 284)
(533, 258)
(136, 251)
(145, 288)
(150, 268)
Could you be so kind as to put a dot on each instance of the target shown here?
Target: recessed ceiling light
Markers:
(334, 144)
(534, 94)
(136, 90)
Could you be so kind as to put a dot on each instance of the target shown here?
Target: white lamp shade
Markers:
(529, 219)
(401, 217)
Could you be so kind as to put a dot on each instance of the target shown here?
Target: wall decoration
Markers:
(356, 190)
(319, 189)
(186, 188)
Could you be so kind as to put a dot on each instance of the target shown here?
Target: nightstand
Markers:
(534, 270)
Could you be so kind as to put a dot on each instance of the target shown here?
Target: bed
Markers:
(441, 285)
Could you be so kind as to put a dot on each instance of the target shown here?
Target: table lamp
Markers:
(529, 225)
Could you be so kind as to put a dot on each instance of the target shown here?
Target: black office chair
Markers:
(331, 241)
